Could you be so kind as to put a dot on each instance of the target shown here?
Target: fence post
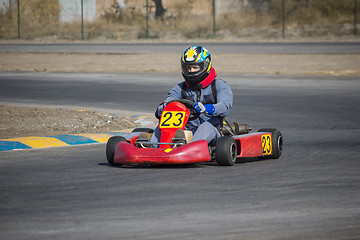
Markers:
(10, 10)
(147, 19)
(82, 19)
(283, 19)
(355, 17)
(214, 28)
(18, 20)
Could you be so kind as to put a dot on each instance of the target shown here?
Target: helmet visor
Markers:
(192, 69)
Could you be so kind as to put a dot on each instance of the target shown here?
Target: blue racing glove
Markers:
(201, 108)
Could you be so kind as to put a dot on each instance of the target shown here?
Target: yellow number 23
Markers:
(172, 119)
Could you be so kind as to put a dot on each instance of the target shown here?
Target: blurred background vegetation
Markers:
(178, 20)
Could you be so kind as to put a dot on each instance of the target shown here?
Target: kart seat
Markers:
(183, 136)
(188, 135)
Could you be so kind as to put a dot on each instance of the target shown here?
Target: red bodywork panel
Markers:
(253, 145)
(248, 145)
(194, 152)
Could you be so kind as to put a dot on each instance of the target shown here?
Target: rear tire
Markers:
(277, 142)
(111, 147)
(147, 130)
(226, 151)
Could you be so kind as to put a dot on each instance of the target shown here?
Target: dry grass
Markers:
(304, 18)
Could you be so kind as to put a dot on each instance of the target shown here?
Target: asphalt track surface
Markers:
(311, 192)
(216, 47)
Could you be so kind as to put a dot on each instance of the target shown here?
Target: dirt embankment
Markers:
(19, 121)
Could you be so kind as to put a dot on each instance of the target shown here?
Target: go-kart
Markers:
(235, 142)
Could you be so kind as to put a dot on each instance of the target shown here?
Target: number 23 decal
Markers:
(266, 144)
(172, 119)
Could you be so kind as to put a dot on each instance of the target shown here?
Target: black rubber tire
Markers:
(276, 142)
(147, 130)
(111, 147)
(226, 151)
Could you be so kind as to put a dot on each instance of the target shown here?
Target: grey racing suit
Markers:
(206, 126)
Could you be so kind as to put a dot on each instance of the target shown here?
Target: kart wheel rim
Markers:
(233, 151)
(280, 143)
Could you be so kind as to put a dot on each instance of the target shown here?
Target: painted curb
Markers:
(33, 142)
(58, 140)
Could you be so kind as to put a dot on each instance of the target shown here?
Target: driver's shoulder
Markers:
(221, 85)
(181, 84)
(178, 87)
(220, 82)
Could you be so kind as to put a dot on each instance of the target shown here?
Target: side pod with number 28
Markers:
(235, 142)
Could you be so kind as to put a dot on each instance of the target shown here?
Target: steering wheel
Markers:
(189, 105)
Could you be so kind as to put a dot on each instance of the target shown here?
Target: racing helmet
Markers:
(199, 58)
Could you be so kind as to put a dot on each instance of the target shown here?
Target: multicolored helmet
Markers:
(192, 57)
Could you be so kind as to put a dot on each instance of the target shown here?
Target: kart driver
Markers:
(212, 96)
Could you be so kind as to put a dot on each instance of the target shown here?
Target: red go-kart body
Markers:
(190, 153)
(128, 149)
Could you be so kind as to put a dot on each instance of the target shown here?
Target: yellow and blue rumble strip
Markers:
(56, 141)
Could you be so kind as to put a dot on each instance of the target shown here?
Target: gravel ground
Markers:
(20, 121)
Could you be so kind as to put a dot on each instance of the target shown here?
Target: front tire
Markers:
(111, 147)
(226, 151)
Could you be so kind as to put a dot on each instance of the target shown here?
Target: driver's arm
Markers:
(174, 93)
(224, 99)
